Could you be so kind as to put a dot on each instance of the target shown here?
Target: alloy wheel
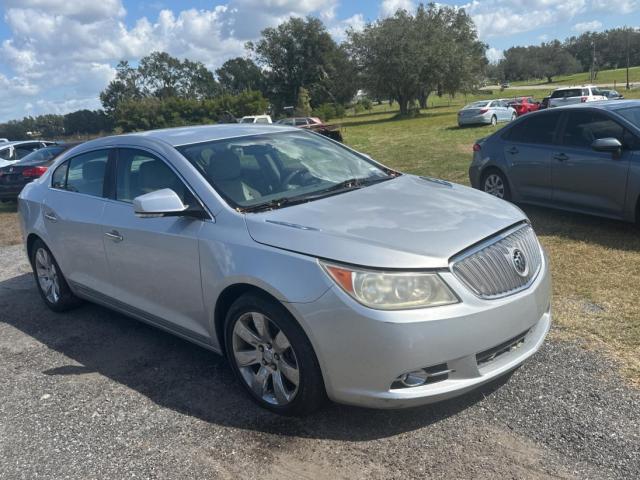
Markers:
(494, 185)
(494, 121)
(265, 358)
(47, 275)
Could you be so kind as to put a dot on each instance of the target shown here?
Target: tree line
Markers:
(590, 51)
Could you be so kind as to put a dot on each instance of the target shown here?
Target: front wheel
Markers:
(52, 285)
(272, 357)
(495, 183)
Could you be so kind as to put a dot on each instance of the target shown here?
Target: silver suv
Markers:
(316, 270)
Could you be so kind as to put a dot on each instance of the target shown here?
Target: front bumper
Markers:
(362, 351)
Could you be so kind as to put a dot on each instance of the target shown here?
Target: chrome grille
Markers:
(491, 269)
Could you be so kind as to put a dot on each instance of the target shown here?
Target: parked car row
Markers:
(11, 152)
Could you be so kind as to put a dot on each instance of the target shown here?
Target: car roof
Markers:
(201, 133)
(20, 142)
(609, 105)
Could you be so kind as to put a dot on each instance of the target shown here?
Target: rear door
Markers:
(72, 212)
(154, 262)
(584, 178)
(528, 148)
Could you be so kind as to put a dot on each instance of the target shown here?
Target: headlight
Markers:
(391, 290)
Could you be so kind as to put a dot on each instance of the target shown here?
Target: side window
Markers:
(6, 154)
(301, 121)
(539, 129)
(139, 172)
(59, 177)
(86, 173)
(583, 127)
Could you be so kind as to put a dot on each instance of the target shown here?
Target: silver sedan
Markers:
(317, 271)
(486, 112)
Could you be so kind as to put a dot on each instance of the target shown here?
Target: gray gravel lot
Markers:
(93, 394)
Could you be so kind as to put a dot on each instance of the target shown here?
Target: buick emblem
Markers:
(519, 262)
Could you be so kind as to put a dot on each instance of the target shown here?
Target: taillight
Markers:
(583, 99)
(476, 147)
(34, 172)
(484, 110)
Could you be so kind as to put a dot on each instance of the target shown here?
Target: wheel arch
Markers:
(226, 298)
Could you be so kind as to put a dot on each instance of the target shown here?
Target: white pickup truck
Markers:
(570, 95)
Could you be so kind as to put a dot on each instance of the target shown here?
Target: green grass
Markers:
(618, 76)
(595, 262)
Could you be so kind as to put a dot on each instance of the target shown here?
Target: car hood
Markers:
(407, 222)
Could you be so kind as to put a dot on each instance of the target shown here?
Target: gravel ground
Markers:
(93, 394)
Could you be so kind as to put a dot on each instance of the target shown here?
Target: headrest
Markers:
(224, 165)
(155, 175)
(93, 171)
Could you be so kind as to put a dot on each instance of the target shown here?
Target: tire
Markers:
(52, 285)
(495, 183)
(494, 121)
(267, 348)
(514, 116)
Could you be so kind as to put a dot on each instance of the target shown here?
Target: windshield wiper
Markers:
(350, 184)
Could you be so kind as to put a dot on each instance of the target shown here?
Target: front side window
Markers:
(292, 166)
(539, 129)
(584, 127)
(631, 114)
(139, 172)
(86, 173)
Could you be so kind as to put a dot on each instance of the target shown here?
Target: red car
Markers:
(524, 105)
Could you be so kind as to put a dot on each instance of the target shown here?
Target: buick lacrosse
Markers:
(317, 271)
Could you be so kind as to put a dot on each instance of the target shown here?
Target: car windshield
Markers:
(632, 114)
(480, 104)
(43, 155)
(274, 170)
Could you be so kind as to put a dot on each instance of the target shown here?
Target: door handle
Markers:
(561, 157)
(51, 217)
(513, 150)
(114, 235)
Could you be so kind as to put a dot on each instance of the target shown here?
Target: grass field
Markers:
(595, 262)
(618, 76)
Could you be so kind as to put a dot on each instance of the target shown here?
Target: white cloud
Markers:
(355, 22)
(494, 55)
(68, 58)
(389, 7)
(587, 26)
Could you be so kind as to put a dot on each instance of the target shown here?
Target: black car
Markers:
(612, 94)
(15, 176)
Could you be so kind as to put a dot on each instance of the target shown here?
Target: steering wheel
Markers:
(295, 173)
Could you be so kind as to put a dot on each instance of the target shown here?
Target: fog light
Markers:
(433, 374)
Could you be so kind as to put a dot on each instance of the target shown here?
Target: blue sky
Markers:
(57, 55)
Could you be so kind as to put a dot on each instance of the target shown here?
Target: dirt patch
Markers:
(9, 225)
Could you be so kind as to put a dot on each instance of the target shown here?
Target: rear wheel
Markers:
(514, 116)
(494, 121)
(272, 357)
(52, 285)
(495, 183)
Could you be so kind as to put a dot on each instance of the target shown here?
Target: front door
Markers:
(154, 262)
(583, 178)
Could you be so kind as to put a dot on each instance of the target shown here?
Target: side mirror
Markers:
(611, 145)
(161, 203)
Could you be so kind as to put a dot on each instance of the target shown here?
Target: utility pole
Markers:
(628, 86)
(593, 62)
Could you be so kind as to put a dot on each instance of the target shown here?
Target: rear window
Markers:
(538, 128)
(572, 92)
